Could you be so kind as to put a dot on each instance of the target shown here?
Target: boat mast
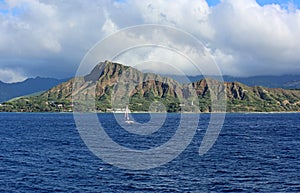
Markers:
(126, 113)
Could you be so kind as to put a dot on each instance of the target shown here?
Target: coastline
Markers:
(144, 112)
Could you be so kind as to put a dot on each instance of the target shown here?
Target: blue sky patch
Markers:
(262, 2)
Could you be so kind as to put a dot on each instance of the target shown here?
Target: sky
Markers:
(49, 38)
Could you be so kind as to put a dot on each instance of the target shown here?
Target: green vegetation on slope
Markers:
(112, 86)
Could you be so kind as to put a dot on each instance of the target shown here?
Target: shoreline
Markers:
(144, 112)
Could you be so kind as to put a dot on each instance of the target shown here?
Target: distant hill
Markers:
(27, 87)
(39, 84)
(284, 81)
(149, 88)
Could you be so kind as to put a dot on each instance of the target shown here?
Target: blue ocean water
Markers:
(43, 152)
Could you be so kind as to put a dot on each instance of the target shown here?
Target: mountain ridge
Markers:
(27, 87)
(11, 90)
(282, 81)
(112, 85)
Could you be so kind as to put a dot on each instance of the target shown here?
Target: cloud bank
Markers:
(49, 38)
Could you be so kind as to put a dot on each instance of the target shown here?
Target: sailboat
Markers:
(127, 119)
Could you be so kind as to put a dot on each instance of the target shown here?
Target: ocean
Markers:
(44, 152)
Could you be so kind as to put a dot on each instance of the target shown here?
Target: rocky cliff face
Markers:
(112, 86)
(257, 98)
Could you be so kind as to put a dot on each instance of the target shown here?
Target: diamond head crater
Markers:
(152, 92)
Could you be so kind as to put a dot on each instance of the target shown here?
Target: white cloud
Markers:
(190, 15)
(157, 60)
(267, 35)
(109, 26)
(27, 28)
(245, 38)
(10, 76)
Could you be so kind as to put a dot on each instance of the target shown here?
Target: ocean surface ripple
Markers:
(43, 152)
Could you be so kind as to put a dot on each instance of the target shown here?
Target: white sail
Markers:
(127, 119)
(127, 113)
